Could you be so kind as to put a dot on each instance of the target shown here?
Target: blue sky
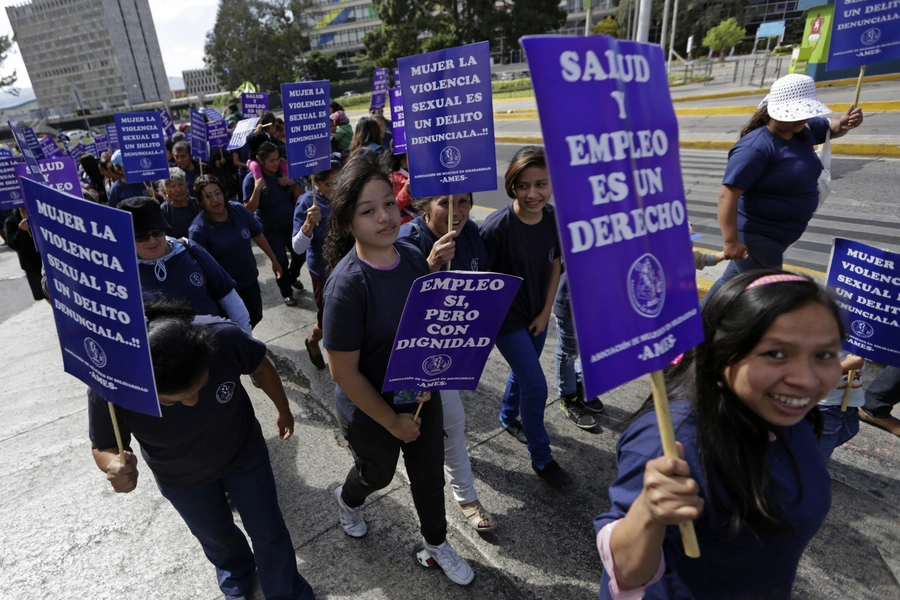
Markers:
(181, 26)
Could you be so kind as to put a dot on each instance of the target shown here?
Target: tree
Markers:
(724, 35)
(322, 66)
(7, 82)
(608, 26)
(532, 17)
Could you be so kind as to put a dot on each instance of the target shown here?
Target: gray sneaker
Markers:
(455, 566)
(351, 518)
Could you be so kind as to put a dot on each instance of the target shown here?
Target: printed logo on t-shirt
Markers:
(245, 233)
(552, 254)
(474, 264)
(225, 392)
(197, 278)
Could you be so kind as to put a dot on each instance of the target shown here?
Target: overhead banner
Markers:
(253, 103)
(241, 132)
(450, 136)
(217, 134)
(167, 124)
(24, 147)
(379, 89)
(620, 202)
(864, 32)
(113, 136)
(447, 331)
(199, 147)
(398, 123)
(308, 127)
(866, 285)
(143, 146)
(92, 276)
(10, 192)
(61, 174)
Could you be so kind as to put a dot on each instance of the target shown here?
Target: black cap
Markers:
(145, 213)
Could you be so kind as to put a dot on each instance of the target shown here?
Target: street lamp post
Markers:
(643, 28)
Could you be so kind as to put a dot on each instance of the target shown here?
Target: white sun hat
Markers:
(793, 98)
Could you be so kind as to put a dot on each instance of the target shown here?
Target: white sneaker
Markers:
(455, 566)
(351, 518)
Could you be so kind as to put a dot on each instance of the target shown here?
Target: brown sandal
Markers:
(476, 515)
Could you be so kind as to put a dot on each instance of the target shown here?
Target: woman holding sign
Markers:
(365, 294)
(750, 476)
(522, 240)
(770, 188)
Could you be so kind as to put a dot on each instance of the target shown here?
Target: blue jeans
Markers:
(205, 510)
(764, 253)
(526, 390)
(568, 365)
(840, 427)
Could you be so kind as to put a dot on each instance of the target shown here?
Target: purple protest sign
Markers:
(214, 115)
(450, 136)
(6, 153)
(61, 174)
(50, 148)
(253, 103)
(620, 203)
(217, 134)
(102, 142)
(396, 77)
(91, 148)
(861, 35)
(199, 147)
(379, 89)
(112, 135)
(24, 147)
(241, 132)
(76, 151)
(92, 276)
(397, 121)
(33, 143)
(866, 285)
(10, 192)
(167, 124)
(307, 126)
(447, 330)
(143, 146)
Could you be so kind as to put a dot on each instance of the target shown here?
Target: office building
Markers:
(200, 81)
(338, 27)
(89, 53)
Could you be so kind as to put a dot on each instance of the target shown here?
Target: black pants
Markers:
(375, 452)
(883, 393)
(280, 241)
(252, 298)
(34, 282)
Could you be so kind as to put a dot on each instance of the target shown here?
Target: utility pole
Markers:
(643, 28)
(672, 40)
(665, 23)
(587, 18)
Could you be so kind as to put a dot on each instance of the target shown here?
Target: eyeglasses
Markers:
(150, 234)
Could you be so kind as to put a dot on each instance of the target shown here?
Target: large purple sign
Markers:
(76, 151)
(199, 147)
(379, 89)
(866, 284)
(447, 330)
(143, 146)
(10, 192)
(113, 136)
(217, 133)
(92, 275)
(168, 125)
(61, 174)
(450, 136)
(307, 126)
(620, 203)
(50, 148)
(253, 103)
(863, 33)
(398, 122)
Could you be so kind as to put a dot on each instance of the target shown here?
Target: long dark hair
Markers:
(180, 351)
(761, 118)
(92, 170)
(526, 156)
(367, 132)
(733, 439)
(359, 171)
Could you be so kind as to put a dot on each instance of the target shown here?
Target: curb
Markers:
(877, 106)
(839, 149)
(835, 83)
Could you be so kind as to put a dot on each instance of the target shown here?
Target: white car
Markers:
(349, 94)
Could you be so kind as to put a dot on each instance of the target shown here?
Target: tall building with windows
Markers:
(89, 53)
(200, 81)
(338, 27)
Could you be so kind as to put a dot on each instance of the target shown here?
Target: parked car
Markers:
(349, 94)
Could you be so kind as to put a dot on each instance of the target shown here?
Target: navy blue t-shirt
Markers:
(191, 175)
(180, 218)
(191, 446)
(276, 209)
(192, 276)
(471, 254)
(120, 190)
(315, 254)
(526, 251)
(363, 306)
(229, 242)
(779, 178)
(750, 565)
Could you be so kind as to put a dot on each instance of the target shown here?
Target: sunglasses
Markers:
(154, 233)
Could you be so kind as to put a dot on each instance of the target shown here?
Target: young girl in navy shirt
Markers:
(364, 298)
(750, 476)
(522, 240)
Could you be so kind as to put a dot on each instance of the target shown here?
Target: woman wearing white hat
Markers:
(770, 188)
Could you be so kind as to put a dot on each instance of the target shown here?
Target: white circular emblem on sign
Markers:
(145, 163)
(310, 150)
(95, 352)
(225, 392)
(870, 36)
(14, 195)
(197, 279)
(450, 157)
(437, 364)
(646, 286)
(862, 329)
